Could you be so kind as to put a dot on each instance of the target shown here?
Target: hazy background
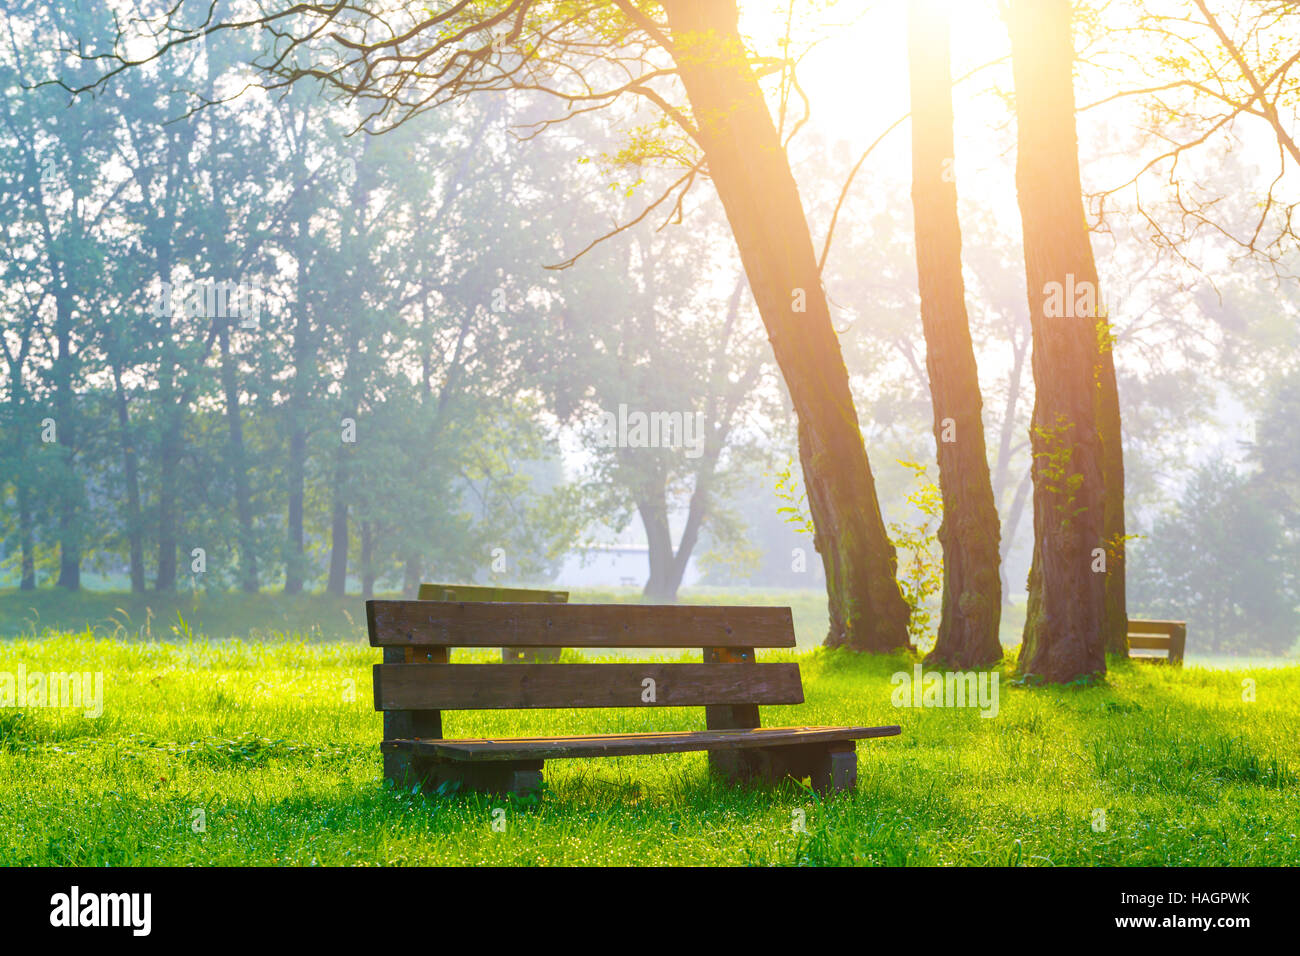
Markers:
(420, 399)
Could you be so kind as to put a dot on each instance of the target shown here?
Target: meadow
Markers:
(263, 751)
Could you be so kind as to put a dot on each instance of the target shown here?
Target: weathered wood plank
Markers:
(1166, 628)
(472, 624)
(622, 745)
(728, 763)
(1148, 642)
(488, 593)
(475, 593)
(503, 686)
(410, 723)
(1178, 644)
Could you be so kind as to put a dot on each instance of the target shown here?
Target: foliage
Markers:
(789, 488)
(1055, 455)
(396, 292)
(1221, 561)
(920, 555)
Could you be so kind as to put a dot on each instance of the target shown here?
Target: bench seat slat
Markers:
(506, 686)
(471, 624)
(614, 745)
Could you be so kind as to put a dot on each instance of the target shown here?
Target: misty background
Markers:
(401, 391)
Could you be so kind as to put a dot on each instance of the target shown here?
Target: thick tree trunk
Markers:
(659, 540)
(972, 586)
(1064, 631)
(668, 566)
(248, 579)
(751, 172)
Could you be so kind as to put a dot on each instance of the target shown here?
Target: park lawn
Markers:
(276, 743)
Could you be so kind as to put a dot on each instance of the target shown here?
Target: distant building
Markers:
(613, 566)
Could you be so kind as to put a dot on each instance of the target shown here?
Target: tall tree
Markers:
(1074, 429)
(972, 589)
(751, 172)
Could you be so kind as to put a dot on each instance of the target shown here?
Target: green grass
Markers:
(276, 742)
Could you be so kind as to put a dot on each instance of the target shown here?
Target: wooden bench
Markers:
(416, 683)
(480, 593)
(1168, 638)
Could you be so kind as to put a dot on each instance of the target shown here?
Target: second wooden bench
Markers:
(1167, 638)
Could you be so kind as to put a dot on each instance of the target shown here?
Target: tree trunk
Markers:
(1064, 637)
(27, 580)
(294, 556)
(168, 450)
(1014, 514)
(367, 562)
(1112, 465)
(338, 573)
(972, 587)
(659, 540)
(23, 481)
(294, 570)
(411, 577)
(168, 462)
(131, 474)
(248, 580)
(1001, 474)
(751, 172)
(69, 485)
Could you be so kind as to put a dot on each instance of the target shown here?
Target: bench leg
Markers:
(520, 778)
(836, 769)
(732, 766)
(406, 770)
(831, 767)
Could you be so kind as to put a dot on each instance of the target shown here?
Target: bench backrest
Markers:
(1169, 637)
(416, 677)
(490, 593)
